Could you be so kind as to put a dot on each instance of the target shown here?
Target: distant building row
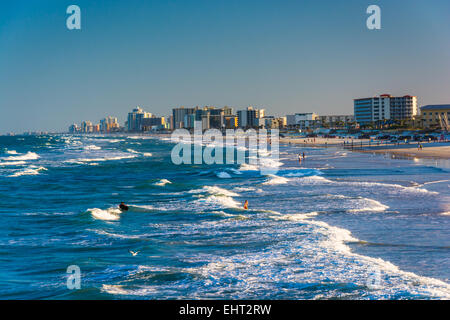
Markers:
(383, 110)
(107, 125)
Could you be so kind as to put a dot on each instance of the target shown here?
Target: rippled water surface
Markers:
(344, 225)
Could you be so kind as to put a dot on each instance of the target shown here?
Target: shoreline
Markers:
(441, 152)
(435, 150)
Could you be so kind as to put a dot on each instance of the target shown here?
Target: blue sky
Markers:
(287, 56)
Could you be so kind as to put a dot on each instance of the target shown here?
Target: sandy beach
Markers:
(442, 152)
(430, 150)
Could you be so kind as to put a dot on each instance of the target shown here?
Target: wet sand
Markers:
(442, 152)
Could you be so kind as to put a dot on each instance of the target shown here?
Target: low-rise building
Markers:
(337, 120)
(309, 120)
(436, 116)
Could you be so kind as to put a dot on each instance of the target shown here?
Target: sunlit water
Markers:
(343, 225)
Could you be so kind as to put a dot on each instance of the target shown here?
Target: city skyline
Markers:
(285, 57)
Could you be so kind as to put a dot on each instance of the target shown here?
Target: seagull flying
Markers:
(134, 253)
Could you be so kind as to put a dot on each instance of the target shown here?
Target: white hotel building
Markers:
(385, 107)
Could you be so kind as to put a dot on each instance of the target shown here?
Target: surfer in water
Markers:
(123, 206)
(246, 204)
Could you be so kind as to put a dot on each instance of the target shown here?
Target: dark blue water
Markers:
(345, 225)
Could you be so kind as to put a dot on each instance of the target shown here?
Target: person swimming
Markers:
(123, 206)
(246, 204)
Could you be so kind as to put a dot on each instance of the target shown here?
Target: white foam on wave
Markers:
(322, 180)
(223, 175)
(12, 163)
(235, 171)
(368, 205)
(248, 167)
(11, 152)
(275, 180)
(28, 156)
(115, 235)
(83, 160)
(30, 171)
(122, 290)
(91, 147)
(140, 138)
(217, 201)
(110, 214)
(144, 154)
(317, 256)
(244, 189)
(217, 198)
(162, 182)
(392, 279)
(293, 217)
(215, 191)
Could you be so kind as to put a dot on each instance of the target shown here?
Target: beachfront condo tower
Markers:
(384, 107)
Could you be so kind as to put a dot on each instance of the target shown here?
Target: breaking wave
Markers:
(110, 214)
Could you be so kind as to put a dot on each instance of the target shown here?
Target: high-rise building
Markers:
(179, 116)
(74, 128)
(87, 127)
(209, 116)
(249, 118)
(230, 121)
(109, 124)
(385, 107)
(134, 122)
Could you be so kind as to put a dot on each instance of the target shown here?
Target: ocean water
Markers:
(342, 226)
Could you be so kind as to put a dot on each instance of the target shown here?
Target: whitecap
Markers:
(110, 214)
(30, 171)
(162, 182)
(223, 175)
(28, 156)
(12, 163)
(368, 205)
(215, 191)
(91, 147)
(274, 180)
